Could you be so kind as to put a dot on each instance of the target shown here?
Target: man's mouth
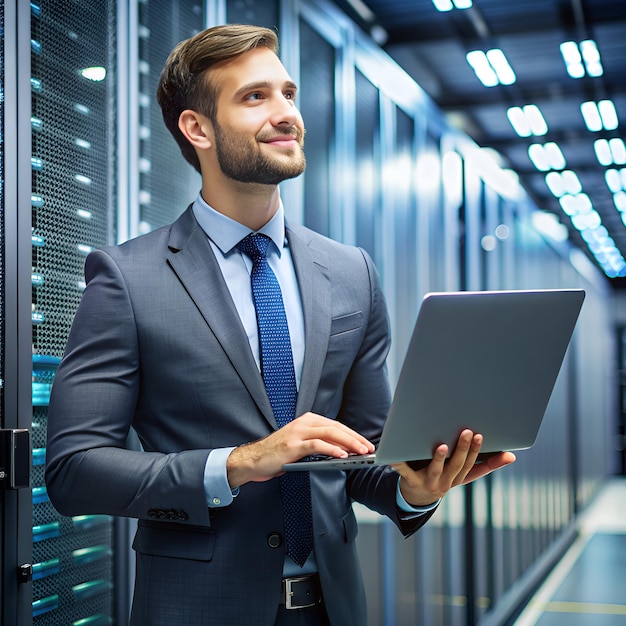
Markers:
(285, 139)
(282, 141)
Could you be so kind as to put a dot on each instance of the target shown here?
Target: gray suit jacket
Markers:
(157, 345)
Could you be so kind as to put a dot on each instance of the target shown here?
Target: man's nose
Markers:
(284, 112)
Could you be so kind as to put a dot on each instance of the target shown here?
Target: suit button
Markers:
(274, 540)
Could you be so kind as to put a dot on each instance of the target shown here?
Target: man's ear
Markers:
(196, 128)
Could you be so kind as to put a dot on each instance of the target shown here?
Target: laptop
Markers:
(483, 360)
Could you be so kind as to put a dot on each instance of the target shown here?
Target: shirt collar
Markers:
(226, 233)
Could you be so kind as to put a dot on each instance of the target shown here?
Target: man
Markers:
(170, 339)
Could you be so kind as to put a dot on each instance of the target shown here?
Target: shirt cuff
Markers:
(412, 511)
(216, 488)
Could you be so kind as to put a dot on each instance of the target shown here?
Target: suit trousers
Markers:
(312, 616)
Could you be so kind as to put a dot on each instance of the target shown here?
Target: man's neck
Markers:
(249, 204)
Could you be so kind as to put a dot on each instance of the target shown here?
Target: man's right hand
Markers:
(306, 435)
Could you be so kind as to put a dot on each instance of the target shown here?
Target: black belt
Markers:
(301, 592)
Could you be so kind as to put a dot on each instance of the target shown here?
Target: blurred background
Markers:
(465, 146)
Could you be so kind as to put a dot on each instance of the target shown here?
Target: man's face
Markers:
(259, 133)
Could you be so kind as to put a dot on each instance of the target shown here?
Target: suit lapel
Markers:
(192, 259)
(311, 268)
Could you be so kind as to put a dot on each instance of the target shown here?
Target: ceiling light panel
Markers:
(519, 122)
(547, 156)
(619, 199)
(608, 114)
(618, 151)
(615, 180)
(603, 152)
(538, 157)
(527, 120)
(491, 67)
(610, 152)
(573, 59)
(561, 183)
(591, 115)
(481, 66)
(583, 59)
(537, 122)
(591, 57)
(554, 155)
(501, 66)
(598, 116)
(587, 221)
(578, 204)
(448, 5)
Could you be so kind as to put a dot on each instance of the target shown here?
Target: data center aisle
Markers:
(588, 586)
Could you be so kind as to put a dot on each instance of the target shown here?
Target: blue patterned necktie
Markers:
(280, 382)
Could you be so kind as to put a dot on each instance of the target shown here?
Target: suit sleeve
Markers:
(367, 398)
(93, 401)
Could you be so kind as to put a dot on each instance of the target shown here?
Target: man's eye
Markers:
(290, 95)
(255, 96)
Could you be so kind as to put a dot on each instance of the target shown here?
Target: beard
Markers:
(242, 159)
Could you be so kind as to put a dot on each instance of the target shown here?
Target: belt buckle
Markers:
(289, 593)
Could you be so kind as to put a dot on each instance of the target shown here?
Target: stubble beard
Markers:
(242, 160)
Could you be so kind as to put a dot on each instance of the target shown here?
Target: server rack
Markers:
(73, 193)
(160, 199)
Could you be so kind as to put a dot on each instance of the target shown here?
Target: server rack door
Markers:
(72, 118)
(15, 340)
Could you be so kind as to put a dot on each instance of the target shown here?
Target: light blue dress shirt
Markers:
(224, 236)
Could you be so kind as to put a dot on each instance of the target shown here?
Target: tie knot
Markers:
(255, 246)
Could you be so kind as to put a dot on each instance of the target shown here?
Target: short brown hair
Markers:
(182, 84)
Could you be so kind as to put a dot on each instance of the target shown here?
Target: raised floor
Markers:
(588, 585)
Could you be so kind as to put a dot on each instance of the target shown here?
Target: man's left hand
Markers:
(427, 485)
